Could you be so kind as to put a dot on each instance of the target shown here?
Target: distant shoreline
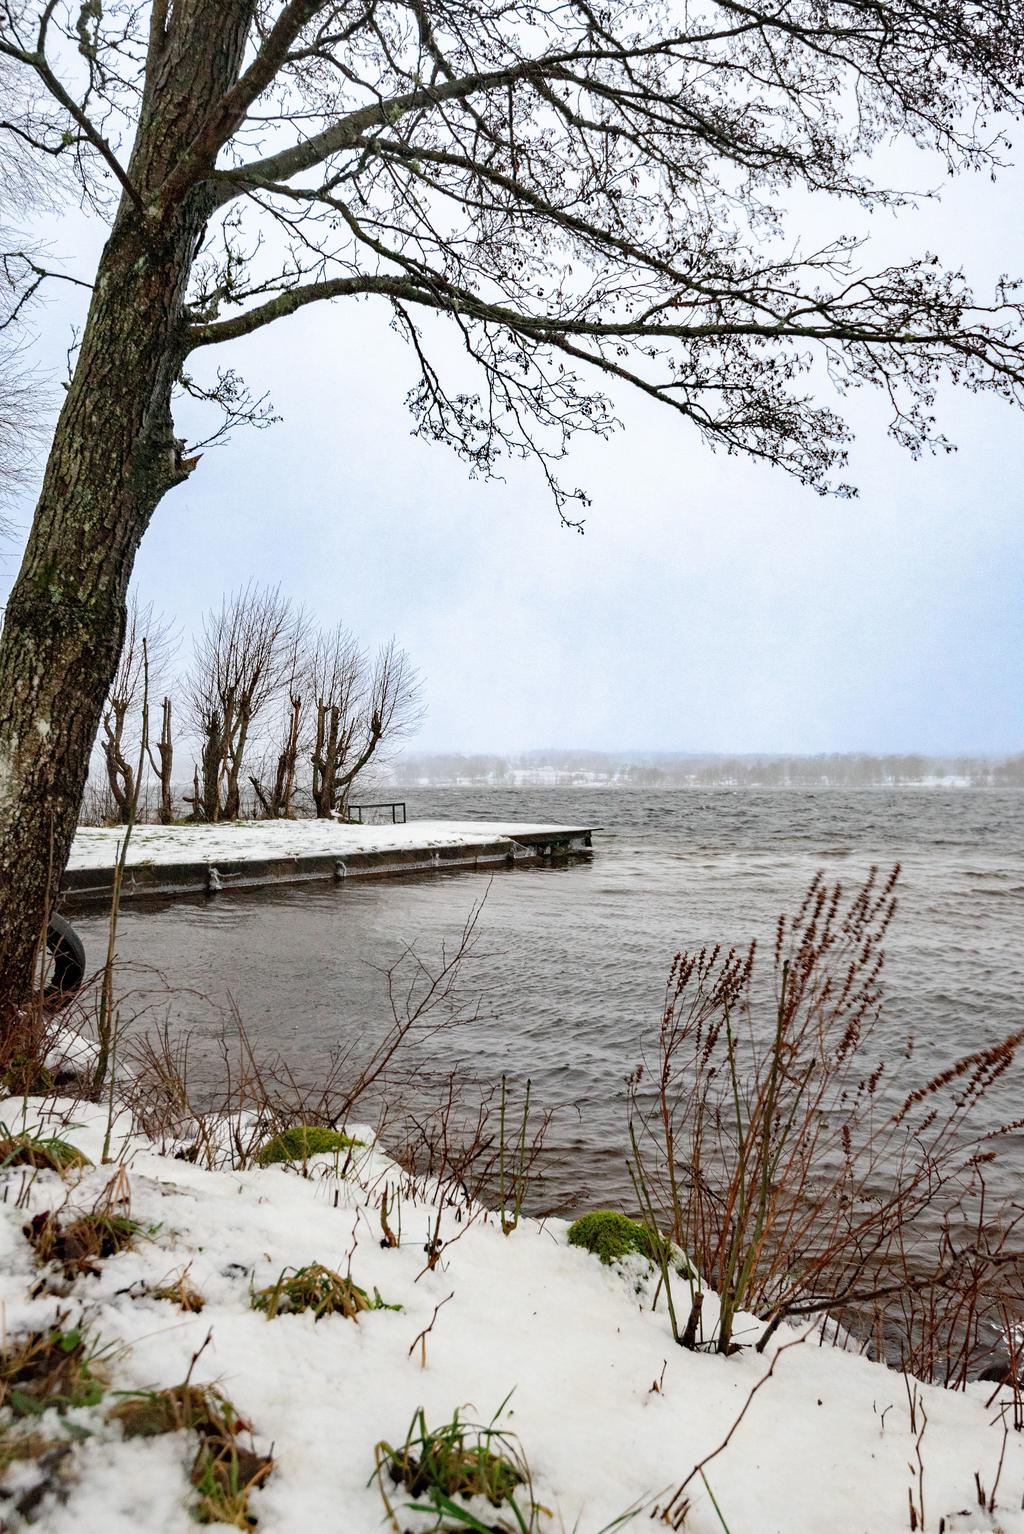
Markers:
(558, 768)
(613, 785)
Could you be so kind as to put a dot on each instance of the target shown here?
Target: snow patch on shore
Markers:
(825, 1443)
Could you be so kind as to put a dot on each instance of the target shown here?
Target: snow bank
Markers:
(240, 841)
(825, 1443)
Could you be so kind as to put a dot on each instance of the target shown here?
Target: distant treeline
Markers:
(682, 770)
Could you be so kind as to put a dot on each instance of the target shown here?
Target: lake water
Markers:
(571, 961)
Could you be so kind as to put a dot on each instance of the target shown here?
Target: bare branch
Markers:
(48, 78)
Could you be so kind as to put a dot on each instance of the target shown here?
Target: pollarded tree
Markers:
(359, 709)
(140, 678)
(341, 712)
(580, 189)
(248, 653)
(276, 781)
(337, 689)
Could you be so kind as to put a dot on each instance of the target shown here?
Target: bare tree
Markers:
(337, 686)
(580, 191)
(340, 712)
(358, 710)
(27, 184)
(149, 643)
(161, 759)
(20, 406)
(276, 798)
(248, 653)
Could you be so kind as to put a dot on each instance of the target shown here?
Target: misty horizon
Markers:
(671, 769)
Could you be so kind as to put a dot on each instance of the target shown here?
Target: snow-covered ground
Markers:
(240, 841)
(609, 1413)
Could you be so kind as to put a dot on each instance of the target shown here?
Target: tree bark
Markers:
(114, 456)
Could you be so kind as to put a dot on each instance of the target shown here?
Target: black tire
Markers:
(68, 961)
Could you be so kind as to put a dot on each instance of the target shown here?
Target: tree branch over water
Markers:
(586, 195)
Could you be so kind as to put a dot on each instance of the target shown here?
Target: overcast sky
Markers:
(711, 605)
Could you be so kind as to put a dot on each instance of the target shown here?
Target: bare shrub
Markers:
(966, 1324)
(775, 1152)
(221, 1112)
(463, 1145)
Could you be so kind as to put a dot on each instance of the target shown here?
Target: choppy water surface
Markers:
(571, 961)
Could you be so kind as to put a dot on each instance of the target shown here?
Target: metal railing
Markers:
(355, 811)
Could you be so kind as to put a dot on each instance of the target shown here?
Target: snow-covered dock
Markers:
(187, 860)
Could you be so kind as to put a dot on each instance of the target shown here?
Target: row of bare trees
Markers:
(282, 716)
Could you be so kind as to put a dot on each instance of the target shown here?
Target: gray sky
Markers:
(712, 604)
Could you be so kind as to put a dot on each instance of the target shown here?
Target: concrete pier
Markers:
(190, 860)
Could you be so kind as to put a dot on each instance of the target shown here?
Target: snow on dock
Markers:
(190, 859)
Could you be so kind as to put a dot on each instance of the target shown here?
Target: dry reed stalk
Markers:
(774, 1154)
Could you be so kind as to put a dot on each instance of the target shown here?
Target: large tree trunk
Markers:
(114, 456)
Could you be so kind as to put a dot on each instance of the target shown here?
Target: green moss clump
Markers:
(611, 1235)
(303, 1141)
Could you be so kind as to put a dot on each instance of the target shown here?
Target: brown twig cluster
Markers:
(472, 1145)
